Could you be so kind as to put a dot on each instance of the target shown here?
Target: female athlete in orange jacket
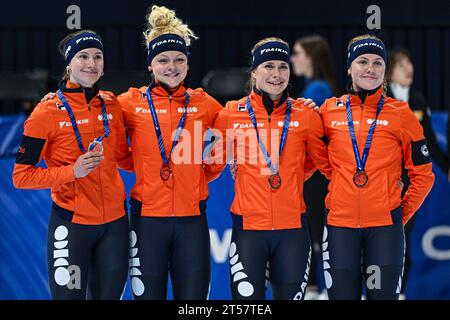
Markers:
(270, 135)
(167, 122)
(80, 135)
(363, 237)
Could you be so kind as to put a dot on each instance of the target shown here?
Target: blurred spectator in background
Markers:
(400, 75)
(311, 59)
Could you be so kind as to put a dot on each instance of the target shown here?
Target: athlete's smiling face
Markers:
(272, 77)
(170, 68)
(367, 72)
(86, 67)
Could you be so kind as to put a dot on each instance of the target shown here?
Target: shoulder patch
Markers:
(29, 150)
(420, 154)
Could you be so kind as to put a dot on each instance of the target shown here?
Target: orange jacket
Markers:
(181, 194)
(97, 198)
(398, 137)
(261, 207)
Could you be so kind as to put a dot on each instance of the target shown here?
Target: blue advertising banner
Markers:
(25, 213)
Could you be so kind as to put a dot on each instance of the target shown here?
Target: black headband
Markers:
(166, 42)
(274, 50)
(82, 41)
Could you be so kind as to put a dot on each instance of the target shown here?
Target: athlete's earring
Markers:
(103, 73)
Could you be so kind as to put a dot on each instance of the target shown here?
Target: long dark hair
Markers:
(317, 48)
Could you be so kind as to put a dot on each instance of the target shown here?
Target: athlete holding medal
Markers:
(270, 135)
(166, 122)
(363, 241)
(88, 228)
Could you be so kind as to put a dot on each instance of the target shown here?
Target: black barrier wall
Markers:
(29, 34)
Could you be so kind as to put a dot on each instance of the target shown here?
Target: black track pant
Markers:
(86, 261)
(176, 245)
(370, 258)
(281, 257)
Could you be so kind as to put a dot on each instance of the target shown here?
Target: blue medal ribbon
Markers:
(361, 161)
(74, 122)
(287, 120)
(162, 150)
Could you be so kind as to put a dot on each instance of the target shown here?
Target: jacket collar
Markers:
(262, 99)
(366, 97)
(162, 90)
(75, 93)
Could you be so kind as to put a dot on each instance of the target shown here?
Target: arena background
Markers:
(31, 66)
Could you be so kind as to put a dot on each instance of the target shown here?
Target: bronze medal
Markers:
(274, 181)
(165, 173)
(360, 178)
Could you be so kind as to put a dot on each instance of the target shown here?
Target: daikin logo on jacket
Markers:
(335, 123)
(246, 125)
(69, 124)
(146, 110)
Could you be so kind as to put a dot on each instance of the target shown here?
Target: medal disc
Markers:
(165, 173)
(360, 178)
(95, 146)
(274, 181)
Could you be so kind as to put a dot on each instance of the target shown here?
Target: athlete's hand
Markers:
(48, 96)
(86, 163)
(233, 169)
(310, 104)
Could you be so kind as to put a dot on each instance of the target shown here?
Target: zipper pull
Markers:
(170, 98)
(89, 106)
(269, 117)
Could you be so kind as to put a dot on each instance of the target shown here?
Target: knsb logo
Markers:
(189, 110)
(292, 124)
(146, 110)
(69, 124)
(336, 123)
(238, 125)
(136, 284)
(379, 122)
(100, 117)
(65, 274)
